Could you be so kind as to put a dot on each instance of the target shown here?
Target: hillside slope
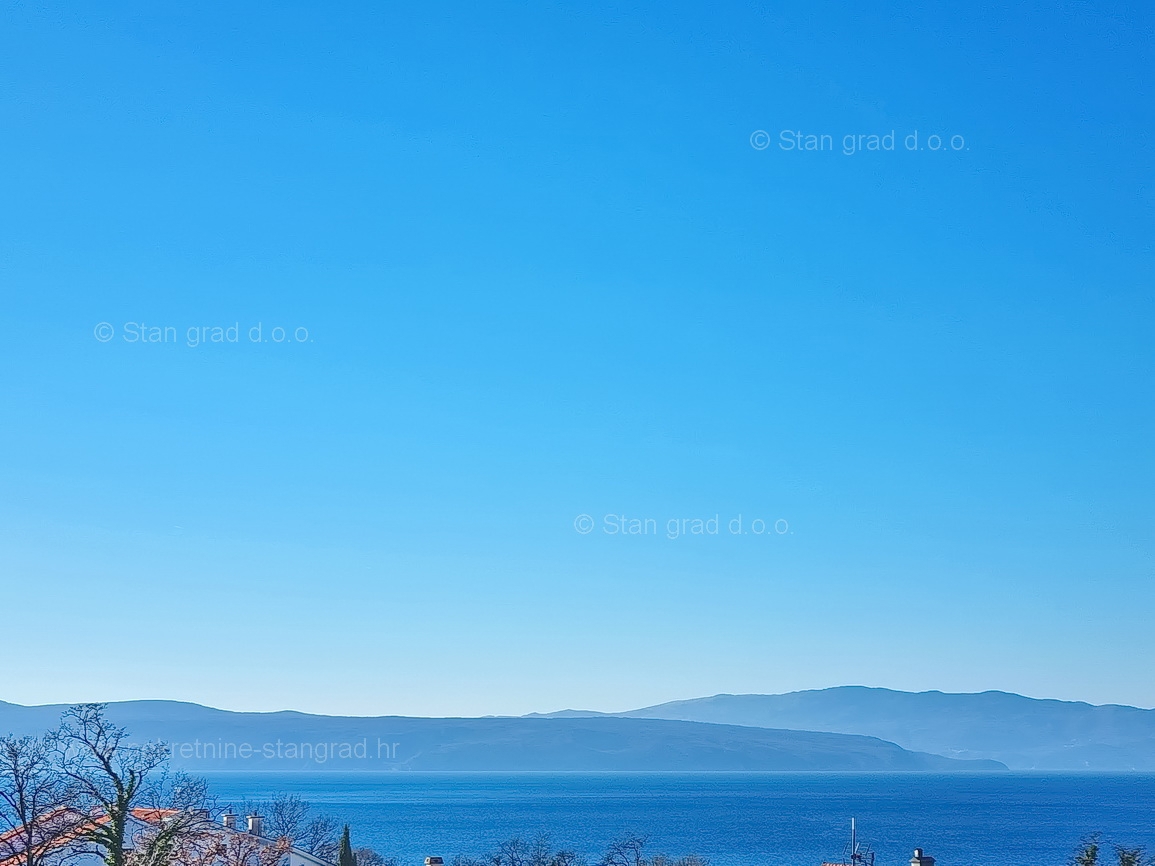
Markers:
(209, 739)
(1023, 733)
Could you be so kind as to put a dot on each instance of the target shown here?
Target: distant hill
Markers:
(208, 739)
(881, 729)
(1023, 733)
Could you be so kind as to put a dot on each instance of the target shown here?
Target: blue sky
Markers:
(530, 266)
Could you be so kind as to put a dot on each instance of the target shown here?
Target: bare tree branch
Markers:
(37, 805)
(108, 773)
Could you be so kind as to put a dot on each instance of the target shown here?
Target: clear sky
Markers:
(540, 261)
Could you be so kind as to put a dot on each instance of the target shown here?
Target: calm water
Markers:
(1008, 819)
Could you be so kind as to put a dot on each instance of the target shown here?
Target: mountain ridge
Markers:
(1019, 732)
(208, 739)
(1022, 732)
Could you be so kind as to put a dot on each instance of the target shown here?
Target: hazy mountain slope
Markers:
(1021, 732)
(208, 739)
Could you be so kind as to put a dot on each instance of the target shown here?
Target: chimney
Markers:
(256, 825)
(229, 820)
(920, 859)
(434, 861)
(200, 814)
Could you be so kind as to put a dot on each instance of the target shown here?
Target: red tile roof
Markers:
(55, 830)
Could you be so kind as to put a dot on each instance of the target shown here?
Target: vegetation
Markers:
(1091, 848)
(345, 850)
(369, 857)
(33, 798)
(86, 787)
(628, 851)
(288, 816)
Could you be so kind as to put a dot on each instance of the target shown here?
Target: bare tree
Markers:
(628, 852)
(37, 805)
(245, 849)
(287, 815)
(369, 857)
(181, 791)
(541, 852)
(175, 808)
(625, 852)
(319, 837)
(112, 776)
(515, 852)
(210, 845)
(199, 847)
(510, 853)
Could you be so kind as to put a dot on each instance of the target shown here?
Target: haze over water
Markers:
(731, 818)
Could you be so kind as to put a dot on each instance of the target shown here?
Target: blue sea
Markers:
(1008, 819)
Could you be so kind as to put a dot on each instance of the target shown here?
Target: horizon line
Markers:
(542, 714)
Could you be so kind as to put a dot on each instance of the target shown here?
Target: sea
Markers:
(732, 819)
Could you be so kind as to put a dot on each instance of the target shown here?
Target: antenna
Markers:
(856, 855)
